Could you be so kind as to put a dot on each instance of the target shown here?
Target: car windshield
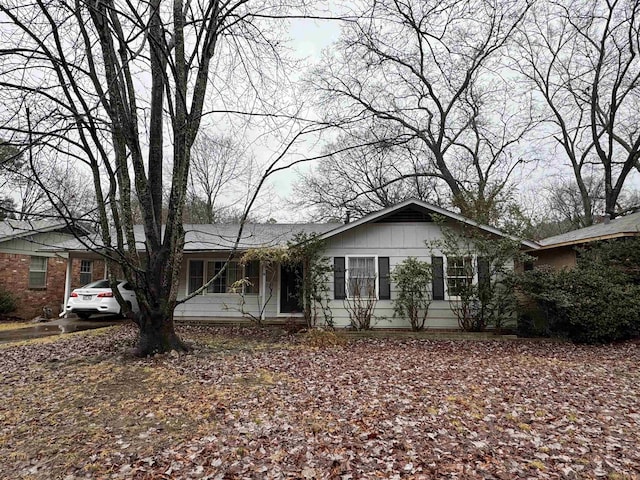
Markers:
(98, 284)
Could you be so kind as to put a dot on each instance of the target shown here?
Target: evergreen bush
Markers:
(413, 282)
(598, 301)
(7, 302)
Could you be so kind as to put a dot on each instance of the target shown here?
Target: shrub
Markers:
(592, 303)
(491, 302)
(361, 304)
(543, 304)
(7, 302)
(413, 281)
(603, 309)
(622, 256)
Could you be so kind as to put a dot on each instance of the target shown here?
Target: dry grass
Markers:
(15, 325)
(245, 404)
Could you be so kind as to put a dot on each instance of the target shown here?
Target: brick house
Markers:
(34, 276)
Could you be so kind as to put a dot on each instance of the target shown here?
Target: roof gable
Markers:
(414, 210)
(13, 229)
(409, 213)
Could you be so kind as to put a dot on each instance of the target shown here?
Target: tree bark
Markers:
(157, 334)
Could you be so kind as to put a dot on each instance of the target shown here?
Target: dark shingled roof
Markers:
(221, 237)
(629, 225)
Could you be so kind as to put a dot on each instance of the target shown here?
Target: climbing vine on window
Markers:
(308, 250)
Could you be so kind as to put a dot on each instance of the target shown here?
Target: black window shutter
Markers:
(383, 273)
(483, 277)
(438, 278)
(338, 278)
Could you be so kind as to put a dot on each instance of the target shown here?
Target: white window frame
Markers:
(90, 272)
(474, 280)
(188, 279)
(31, 270)
(205, 271)
(225, 275)
(346, 273)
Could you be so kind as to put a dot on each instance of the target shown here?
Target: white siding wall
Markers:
(396, 241)
(39, 241)
(218, 305)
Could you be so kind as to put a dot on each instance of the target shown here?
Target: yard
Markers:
(253, 404)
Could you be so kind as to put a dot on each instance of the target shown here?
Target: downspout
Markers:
(263, 284)
(67, 286)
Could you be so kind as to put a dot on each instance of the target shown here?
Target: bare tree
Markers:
(428, 68)
(26, 177)
(582, 58)
(114, 85)
(220, 167)
(358, 181)
(566, 205)
(18, 184)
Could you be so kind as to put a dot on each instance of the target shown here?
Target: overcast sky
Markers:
(308, 38)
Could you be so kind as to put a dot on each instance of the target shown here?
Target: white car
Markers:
(97, 297)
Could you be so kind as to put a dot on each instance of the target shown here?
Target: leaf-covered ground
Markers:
(261, 406)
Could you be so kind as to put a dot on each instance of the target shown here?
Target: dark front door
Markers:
(290, 285)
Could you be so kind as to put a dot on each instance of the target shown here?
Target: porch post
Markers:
(67, 284)
(263, 283)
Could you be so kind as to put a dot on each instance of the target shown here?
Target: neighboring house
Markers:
(368, 248)
(561, 251)
(34, 276)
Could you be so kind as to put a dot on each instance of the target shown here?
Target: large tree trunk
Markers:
(157, 334)
(157, 300)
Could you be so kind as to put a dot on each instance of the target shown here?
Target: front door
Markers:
(290, 286)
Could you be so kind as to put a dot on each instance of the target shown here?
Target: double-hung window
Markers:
(196, 275)
(460, 273)
(227, 281)
(219, 285)
(38, 272)
(362, 275)
(86, 272)
(252, 275)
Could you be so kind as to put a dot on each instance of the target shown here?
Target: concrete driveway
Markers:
(59, 326)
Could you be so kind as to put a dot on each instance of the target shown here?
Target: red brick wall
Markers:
(96, 274)
(98, 269)
(14, 277)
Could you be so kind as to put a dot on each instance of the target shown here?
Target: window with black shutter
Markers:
(438, 278)
(484, 285)
(384, 282)
(339, 290)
